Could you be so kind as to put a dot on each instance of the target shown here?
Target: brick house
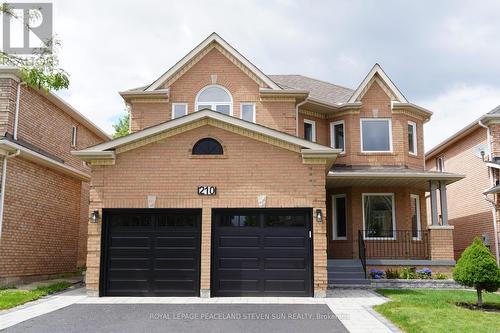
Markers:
(234, 182)
(44, 189)
(473, 203)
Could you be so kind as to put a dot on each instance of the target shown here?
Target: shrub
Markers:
(376, 274)
(392, 274)
(477, 268)
(424, 273)
(440, 276)
(408, 273)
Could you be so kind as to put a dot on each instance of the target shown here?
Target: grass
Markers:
(426, 310)
(12, 298)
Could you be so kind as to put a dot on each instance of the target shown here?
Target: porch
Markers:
(379, 217)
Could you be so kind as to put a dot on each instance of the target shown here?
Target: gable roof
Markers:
(213, 38)
(320, 90)
(374, 72)
(106, 150)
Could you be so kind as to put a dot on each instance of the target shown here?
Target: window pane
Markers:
(214, 94)
(276, 220)
(308, 131)
(411, 144)
(340, 218)
(204, 106)
(378, 216)
(239, 221)
(247, 112)
(339, 136)
(226, 109)
(207, 146)
(415, 223)
(179, 110)
(376, 135)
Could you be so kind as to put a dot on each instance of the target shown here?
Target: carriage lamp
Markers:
(319, 215)
(94, 216)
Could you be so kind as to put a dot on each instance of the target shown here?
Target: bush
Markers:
(424, 273)
(408, 273)
(440, 276)
(392, 274)
(477, 268)
(376, 274)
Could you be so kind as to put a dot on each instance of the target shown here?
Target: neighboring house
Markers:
(475, 152)
(234, 182)
(44, 189)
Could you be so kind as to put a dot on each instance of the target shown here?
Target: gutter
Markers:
(492, 181)
(4, 180)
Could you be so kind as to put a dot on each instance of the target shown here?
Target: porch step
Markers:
(346, 273)
(344, 263)
(349, 282)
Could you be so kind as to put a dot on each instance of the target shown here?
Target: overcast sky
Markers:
(443, 55)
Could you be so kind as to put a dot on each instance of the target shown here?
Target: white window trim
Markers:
(173, 108)
(254, 110)
(390, 135)
(415, 143)
(313, 125)
(334, 214)
(213, 105)
(393, 216)
(419, 222)
(440, 158)
(332, 133)
(74, 134)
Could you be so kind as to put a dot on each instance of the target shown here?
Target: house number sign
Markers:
(207, 190)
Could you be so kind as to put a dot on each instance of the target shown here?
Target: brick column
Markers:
(206, 240)
(441, 242)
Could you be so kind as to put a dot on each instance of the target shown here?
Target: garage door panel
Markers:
(253, 261)
(152, 252)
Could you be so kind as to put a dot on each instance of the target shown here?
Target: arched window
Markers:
(216, 98)
(207, 146)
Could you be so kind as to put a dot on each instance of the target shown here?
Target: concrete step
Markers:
(347, 269)
(349, 282)
(349, 286)
(344, 262)
(346, 275)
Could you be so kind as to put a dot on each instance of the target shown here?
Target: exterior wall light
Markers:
(319, 215)
(94, 216)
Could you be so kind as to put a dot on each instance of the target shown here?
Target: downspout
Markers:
(492, 181)
(16, 116)
(4, 180)
(297, 116)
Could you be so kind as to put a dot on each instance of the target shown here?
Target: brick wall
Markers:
(279, 115)
(41, 226)
(467, 209)
(7, 104)
(248, 168)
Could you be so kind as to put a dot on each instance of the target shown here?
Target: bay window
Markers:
(376, 135)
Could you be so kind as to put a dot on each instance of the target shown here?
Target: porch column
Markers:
(443, 201)
(434, 208)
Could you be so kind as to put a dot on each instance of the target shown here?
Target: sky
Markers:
(443, 55)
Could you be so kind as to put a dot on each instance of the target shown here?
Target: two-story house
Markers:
(473, 203)
(44, 194)
(234, 182)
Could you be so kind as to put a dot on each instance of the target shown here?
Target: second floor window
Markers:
(247, 112)
(215, 98)
(337, 135)
(179, 110)
(73, 136)
(310, 130)
(440, 163)
(412, 138)
(376, 135)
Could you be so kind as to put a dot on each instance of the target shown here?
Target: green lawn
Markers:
(425, 310)
(12, 298)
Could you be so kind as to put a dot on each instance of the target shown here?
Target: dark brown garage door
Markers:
(261, 252)
(151, 252)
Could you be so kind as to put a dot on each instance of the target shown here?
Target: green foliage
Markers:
(12, 298)
(121, 127)
(408, 273)
(392, 274)
(440, 276)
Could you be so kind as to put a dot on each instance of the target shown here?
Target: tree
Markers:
(121, 127)
(40, 70)
(477, 268)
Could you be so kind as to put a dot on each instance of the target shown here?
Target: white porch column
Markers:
(434, 208)
(443, 201)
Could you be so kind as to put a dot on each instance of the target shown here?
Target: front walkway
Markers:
(351, 307)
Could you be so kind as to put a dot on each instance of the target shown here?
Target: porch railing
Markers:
(395, 244)
(362, 250)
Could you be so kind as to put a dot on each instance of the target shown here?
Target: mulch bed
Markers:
(486, 307)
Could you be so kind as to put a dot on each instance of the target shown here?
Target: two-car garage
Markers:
(254, 252)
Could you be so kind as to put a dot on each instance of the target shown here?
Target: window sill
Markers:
(380, 153)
